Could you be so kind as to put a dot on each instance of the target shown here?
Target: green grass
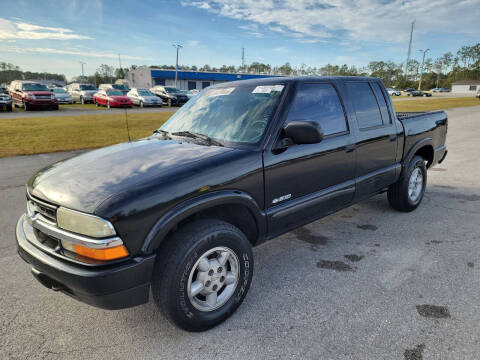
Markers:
(24, 136)
(430, 104)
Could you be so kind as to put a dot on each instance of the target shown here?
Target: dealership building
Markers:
(187, 80)
(465, 87)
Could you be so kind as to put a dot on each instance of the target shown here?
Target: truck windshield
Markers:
(34, 87)
(235, 114)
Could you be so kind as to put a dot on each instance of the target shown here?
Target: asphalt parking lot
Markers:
(365, 283)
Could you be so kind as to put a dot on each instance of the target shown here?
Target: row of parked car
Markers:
(30, 94)
(415, 92)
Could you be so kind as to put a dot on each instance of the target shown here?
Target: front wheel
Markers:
(202, 274)
(407, 193)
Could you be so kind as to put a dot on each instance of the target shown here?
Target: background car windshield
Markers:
(59, 91)
(34, 87)
(145, 93)
(114, 93)
(236, 114)
(87, 87)
(172, 90)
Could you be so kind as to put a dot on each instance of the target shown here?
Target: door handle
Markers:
(349, 148)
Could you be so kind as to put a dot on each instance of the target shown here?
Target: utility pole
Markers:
(83, 74)
(409, 48)
(421, 69)
(120, 63)
(178, 47)
(243, 59)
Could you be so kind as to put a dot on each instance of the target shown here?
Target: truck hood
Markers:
(84, 182)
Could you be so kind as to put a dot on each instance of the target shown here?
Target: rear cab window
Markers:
(370, 105)
(319, 102)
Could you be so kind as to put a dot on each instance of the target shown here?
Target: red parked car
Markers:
(30, 94)
(111, 98)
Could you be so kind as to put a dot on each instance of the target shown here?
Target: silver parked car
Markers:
(82, 93)
(394, 92)
(143, 97)
(62, 96)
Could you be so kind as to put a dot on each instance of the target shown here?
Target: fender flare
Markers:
(189, 207)
(419, 144)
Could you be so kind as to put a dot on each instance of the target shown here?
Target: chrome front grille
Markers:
(42, 210)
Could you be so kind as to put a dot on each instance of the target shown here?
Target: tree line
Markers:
(439, 72)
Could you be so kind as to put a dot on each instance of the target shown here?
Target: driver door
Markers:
(308, 181)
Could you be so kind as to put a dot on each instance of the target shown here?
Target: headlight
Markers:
(85, 224)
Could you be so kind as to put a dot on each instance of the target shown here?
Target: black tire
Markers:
(55, 107)
(176, 259)
(9, 108)
(397, 194)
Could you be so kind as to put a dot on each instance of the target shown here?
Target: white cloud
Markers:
(193, 43)
(365, 20)
(20, 30)
(84, 53)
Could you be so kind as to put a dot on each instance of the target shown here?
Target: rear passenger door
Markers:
(305, 182)
(376, 143)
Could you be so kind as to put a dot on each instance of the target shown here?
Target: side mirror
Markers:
(304, 132)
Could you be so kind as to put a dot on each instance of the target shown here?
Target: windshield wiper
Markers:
(198, 136)
(163, 132)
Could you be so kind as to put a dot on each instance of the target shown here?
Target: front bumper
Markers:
(111, 287)
(41, 103)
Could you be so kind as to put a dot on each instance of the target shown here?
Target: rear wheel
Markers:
(407, 193)
(203, 274)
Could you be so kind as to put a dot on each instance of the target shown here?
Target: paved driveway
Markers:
(365, 283)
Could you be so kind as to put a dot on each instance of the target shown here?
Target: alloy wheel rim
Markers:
(415, 185)
(213, 279)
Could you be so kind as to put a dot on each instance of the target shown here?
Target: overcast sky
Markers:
(55, 35)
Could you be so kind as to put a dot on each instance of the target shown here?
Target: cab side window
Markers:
(319, 103)
(365, 103)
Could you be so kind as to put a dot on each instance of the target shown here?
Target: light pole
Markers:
(83, 74)
(178, 47)
(421, 71)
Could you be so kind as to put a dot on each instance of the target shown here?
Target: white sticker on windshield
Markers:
(267, 89)
(220, 92)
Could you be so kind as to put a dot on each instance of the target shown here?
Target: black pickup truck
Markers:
(178, 212)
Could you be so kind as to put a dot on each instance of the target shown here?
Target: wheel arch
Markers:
(423, 148)
(235, 207)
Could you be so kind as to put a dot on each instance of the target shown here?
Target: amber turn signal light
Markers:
(105, 254)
